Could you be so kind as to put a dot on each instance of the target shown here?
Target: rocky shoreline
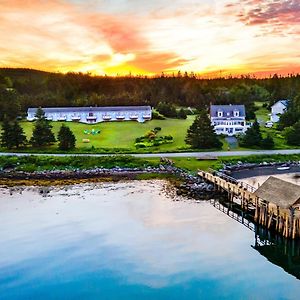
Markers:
(187, 184)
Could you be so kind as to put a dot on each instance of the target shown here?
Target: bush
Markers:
(167, 109)
(292, 134)
(150, 139)
(157, 116)
(267, 143)
(140, 145)
(182, 114)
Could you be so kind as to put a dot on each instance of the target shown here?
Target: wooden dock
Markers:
(276, 202)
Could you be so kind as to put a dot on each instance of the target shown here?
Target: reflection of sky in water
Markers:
(121, 241)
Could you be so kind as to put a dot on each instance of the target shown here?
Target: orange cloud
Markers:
(56, 35)
(148, 37)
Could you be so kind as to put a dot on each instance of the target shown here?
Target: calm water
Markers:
(131, 241)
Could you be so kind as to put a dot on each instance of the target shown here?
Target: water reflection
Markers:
(278, 250)
(129, 241)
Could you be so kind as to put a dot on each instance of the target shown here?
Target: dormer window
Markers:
(220, 113)
(236, 113)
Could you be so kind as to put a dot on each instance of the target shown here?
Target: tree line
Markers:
(13, 135)
(23, 88)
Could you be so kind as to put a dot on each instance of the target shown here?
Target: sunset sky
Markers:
(151, 36)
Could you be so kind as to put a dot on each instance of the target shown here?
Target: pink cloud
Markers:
(49, 31)
(269, 13)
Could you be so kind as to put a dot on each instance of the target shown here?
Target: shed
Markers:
(279, 192)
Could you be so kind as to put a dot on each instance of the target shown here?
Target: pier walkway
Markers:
(275, 204)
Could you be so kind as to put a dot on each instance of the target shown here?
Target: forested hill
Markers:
(38, 88)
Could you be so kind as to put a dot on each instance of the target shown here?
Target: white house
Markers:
(278, 109)
(92, 115)
(228, 119)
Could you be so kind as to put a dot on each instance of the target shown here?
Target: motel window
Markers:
(220, 114)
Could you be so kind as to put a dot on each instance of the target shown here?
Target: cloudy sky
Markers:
(209, 37)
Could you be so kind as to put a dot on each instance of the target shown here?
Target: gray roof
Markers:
(90, 109)
(227, 109)
(284, 102)
(280, 192)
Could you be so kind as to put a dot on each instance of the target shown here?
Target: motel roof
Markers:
(90, 109)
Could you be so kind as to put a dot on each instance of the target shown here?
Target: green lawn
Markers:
(119, 137)
(123, 134)
(262, 113)
(193, 164)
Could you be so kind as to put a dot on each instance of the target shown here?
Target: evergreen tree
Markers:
(252, 137)
(268, 142)
(201, 134)
(292, 134)
(7, 134)
(66, 138)
(18, 138)
(42, 134)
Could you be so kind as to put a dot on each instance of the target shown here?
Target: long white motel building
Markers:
(92, 115)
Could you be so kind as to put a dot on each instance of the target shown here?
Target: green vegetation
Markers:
(292, 134)
(169, 110)
(66, 138)
(201, 134)
(193, 164)
(262, 112)
(150, 139)
(40, 163)
(173, 95)
(253, 138)
(42, 134)
(12, 135)
(45, 163)
(120, 136)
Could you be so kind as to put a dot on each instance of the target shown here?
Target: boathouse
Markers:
(276, 202)
(94, 114)
(279, 201)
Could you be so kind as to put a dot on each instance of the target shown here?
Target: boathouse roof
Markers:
(279, 192)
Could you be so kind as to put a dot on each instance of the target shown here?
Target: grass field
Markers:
(262, 115)
(123, 134)
(119, 137)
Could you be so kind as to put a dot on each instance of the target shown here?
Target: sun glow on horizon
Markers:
(148, 38)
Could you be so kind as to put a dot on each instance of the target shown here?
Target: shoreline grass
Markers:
(69, 163)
